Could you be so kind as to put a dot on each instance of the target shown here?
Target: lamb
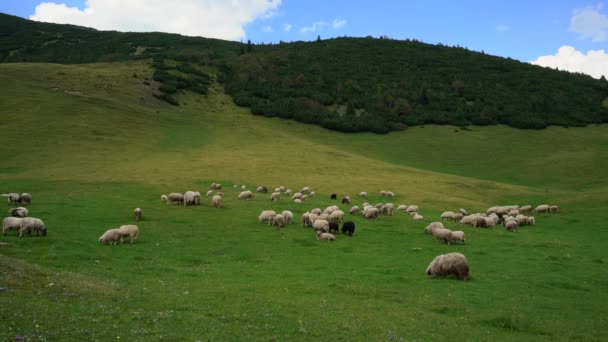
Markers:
(266, 216)
(30, 224)
(112, 236)
(13, 198)
(209, 193)
(543, 208)
(363, 194)
(337, 216)
(217, 201)
(19, 212)
(319, 225)
(371, 213)
(129, 230)
(418, 217)
(458, 237)
(304, 197)
(354, 210)
(451, 264)
(333, 227)
(246, 195)
(278, 220)
(288, 215)
(333, 196)
(9, 223)
(325, 236)
(432, 226)
(25, 199)
(346, 200)
(442, 234)
(348, 228)
(138, 214)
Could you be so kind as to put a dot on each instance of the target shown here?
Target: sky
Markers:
(566, 34)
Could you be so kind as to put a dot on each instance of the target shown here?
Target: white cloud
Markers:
(337, 23)
(502, 28)
(594, 63)
(314, 27)
(267, 29)
(589, 23)
(207, 18)
(287, 27)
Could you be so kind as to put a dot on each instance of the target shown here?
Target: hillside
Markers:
(346, 84)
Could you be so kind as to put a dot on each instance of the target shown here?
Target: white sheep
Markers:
(245, 195)
(29, 224)
(175, 197)
(112, 236)
(215, 186)
(217, 201)
(209, 193)
(288, 215)
(129, 230)
(337, 216)
(25, 198)
(266, 216)
(197, 198)
(447, 215)
(553, 209)
(19, 212)
(297, 201)
(321, 225)
(458, 237)
(138, 214)
(412, 208)
(13, 198)
(316, 211)
(402, 207)
(275, 196)
(297, 195)
(390, 194)
(451, 264)
(9, 223)
(525, 209)
(288, 192)
(371, 213)
(325, 236)
(433, 225)
(305, 190)
(305, 219)
(511, 225)
(354, 210)
(312, 193)
(164, 198)
(363, 194)
(462, 211)
(418, 217)
(278, 220)
(243, 187)
(442, 234)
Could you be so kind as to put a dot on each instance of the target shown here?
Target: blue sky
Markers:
(523, 30)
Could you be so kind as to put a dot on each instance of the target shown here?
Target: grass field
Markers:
(91, 143)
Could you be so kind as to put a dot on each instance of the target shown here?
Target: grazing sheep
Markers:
(246, 195)
(13, 198)
(25, 199)
(442, 234)
(346, 200)
(432, 226)
(348, 228)
(387, 210)
(334, 227)
(288, 192)
(543, 208)
(209, 193)
(215, 186)
(337, 216)
(9, 223)
(513, 212)
(305, 190)
(457, 237)
(412, 208)
(244, 187)
(235, 187)
(402, 207)
(469, 220)
(365, 204)
(266, 216)
(288, 215)
(371, 213)
(525, 209)
(138, 214)
(363, 194)
(354, 210)
(261, 189)
(531, 220)
(457, 217)
(189, 198)
(382, 193)
(217, 201)
(325, 236)
(489, 222)
(282, 188)
(333, 196)
(297, 195)
(112, 236)
(316, 211)
(447, 215)
(278, 220)
(312, 193)
(297, 200)
(451, 264)
(553, 209)
(276, 196)
(164, 198)
(129, 230)
(304, 197)
(175, 197)
(418, 217)
(19, 212)
(321, 225)
(511, 225)
(197, 198)
(30, 224)
(379, 206)
(325, 216)
(306, 219)
(390, 194)
(462, 211)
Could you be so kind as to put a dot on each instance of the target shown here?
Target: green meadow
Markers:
(91, 142)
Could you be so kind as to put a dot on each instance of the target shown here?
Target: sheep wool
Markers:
(451, 264)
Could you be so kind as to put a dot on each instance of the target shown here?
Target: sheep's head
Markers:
(43, 230)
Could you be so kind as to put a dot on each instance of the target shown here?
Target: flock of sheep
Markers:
(325, 223)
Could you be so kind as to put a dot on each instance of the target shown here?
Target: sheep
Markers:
(531, 220)
(305, 190)
(316, 211)
(458, 237)
(129, 230)
(469, 219)
(337, 216)
(282, 188)
(197, 198)
(175, 197)
(348, 228)
(235, 187)
(209, 193)
(305, 219)
(543, 208)
(363, 194)
(9, 223)
(13, 198)
(30, 223)
(312, 193)
(365, 204)
(325, 236)
(217, 201)
(354, 210)
(451, 264)
(297, 195)
(19, 212)
(312, 218)
(261, 189)
(462, 211)
(553, 209)
(402, 207)
(321, 225)
(457, 217)
(243, 187)
(371, 213)
(246, 195)
(304, 197)
(346, 200)
(525, 209)
(390, 194)
(333, 196)
(278, 220)
(489, 222)
(325, 216)
(433, 225)
(266, 216)
(215, 186)
(164, 198)
(189, 198)
(513, 212)
(288, 192)
(334, 227)
(418, 217)
(297, 201)
(330, 209)
(511, 225)
(442, 234)
(412, 208)
(387, 210)
(288, 215)
(382, 193)
(276, 196)
(112, 236)
(138, 214)
(447, 215)
(25, 199)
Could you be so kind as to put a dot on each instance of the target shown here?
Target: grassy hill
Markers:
(344, 84)
(91, 142)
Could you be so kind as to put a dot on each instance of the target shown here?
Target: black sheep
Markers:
(334, 196)
(333, 227)
(348, 228)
